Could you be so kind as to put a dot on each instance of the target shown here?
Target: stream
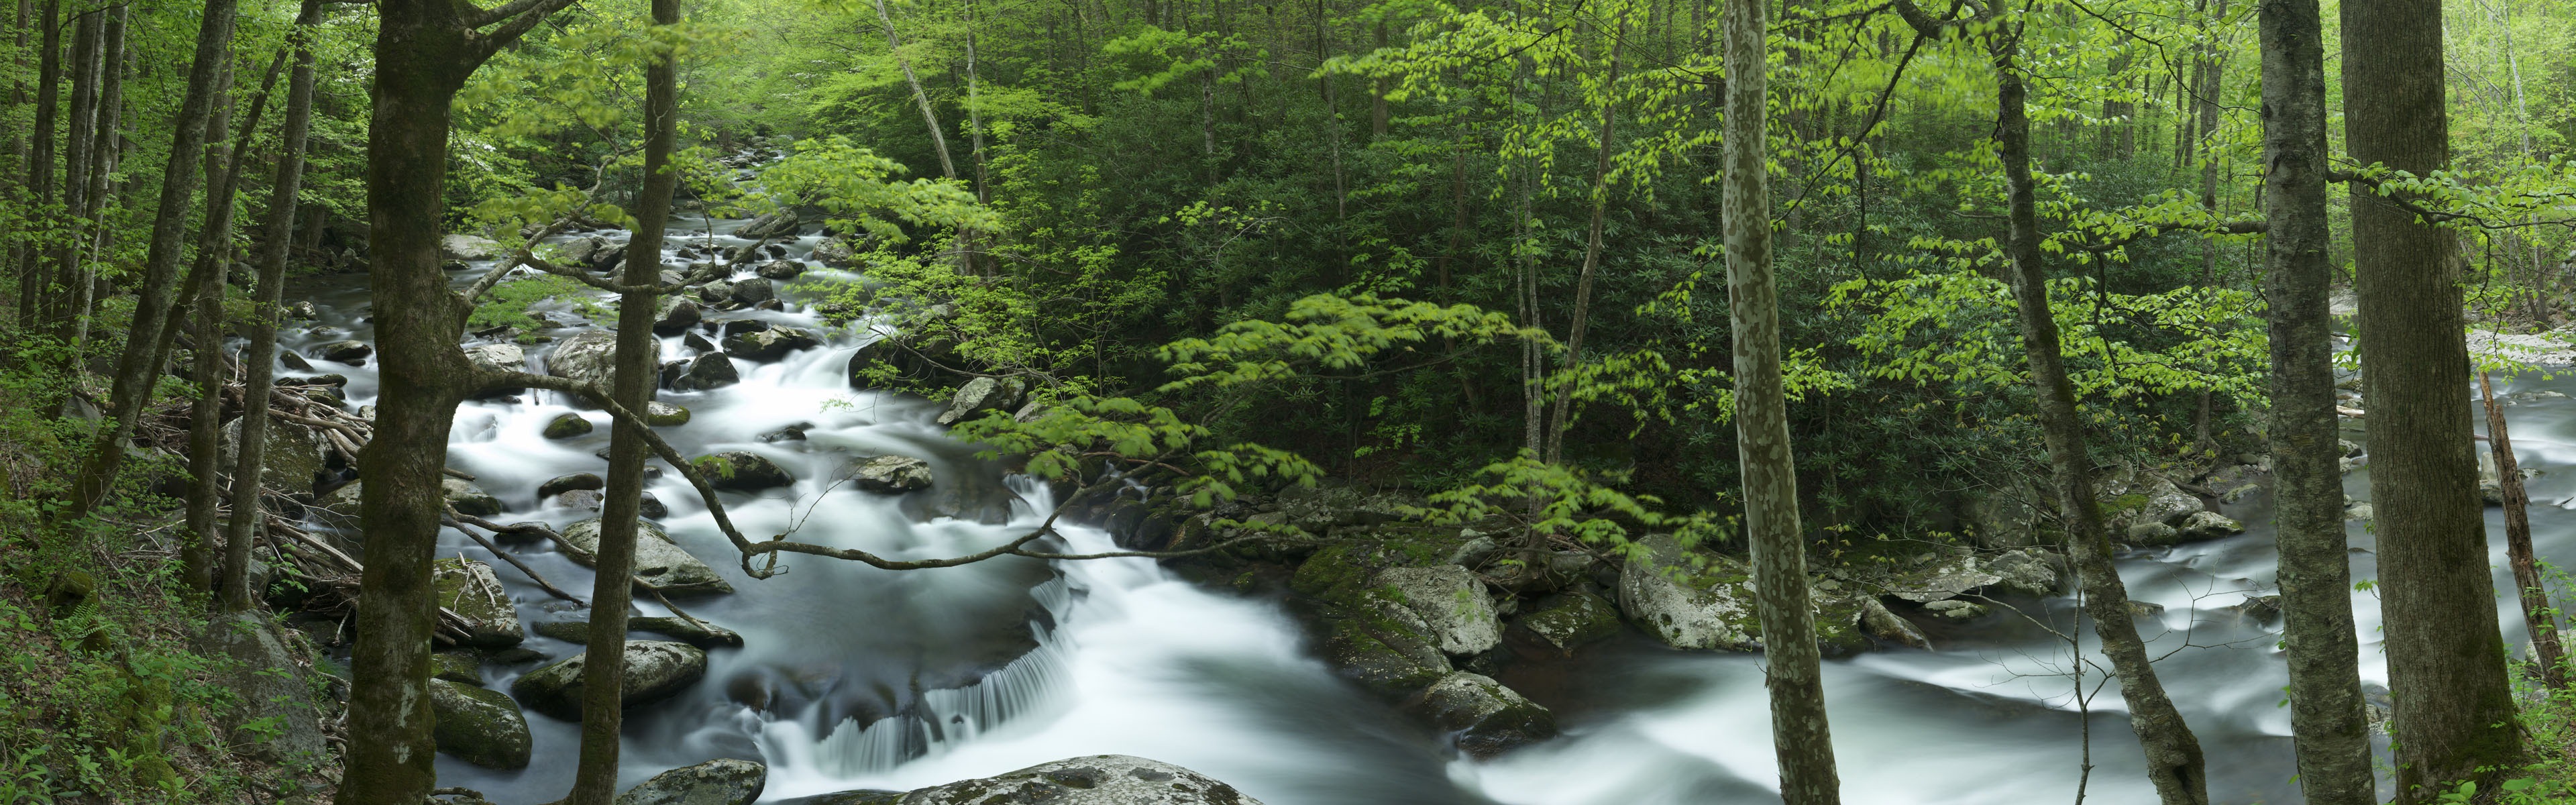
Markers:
(899, 680)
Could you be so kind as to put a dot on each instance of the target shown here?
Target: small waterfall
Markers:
(944, 718)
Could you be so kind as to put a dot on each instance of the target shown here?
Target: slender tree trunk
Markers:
(14, 177)
(2537, 616)
(2454, 709)
(1799, 732)
(975, 113)
(205, 293)
(138, 364)
(104, 151)
(259, 360)
(2173, 756)
(1563, 417)
(40, 160)
(929, 116)
(1378, 112)
(603, 677)
(56, 304)
(2328, 722)
(2213, 70)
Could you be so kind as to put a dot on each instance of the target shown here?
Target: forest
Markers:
(1113, 402)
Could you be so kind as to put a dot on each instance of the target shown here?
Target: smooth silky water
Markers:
(897, 680)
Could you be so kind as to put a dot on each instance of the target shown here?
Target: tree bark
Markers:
(2537, 616)
(205, 295)
(104, 152)
(259, 363)
(40, 158)
(921, 97)
(1563, 418)
(2328, 721)
(1799, 730)
(138, 364)
(2453, 707)
(595, 782)
(56, 302)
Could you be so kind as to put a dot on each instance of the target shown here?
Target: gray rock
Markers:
(752, 291)
(1709, 607)
(658, 560)
(683, 315)
(1093, 780)
(290, 455)
(1560, 624)
(1488, 717)
(665, 415)
(1945, 578)
(345, 351)
(468, 498)
(715, 292)
(1885, 625)
(707, 635)
(709, 371)
(1955, 609)
(979, 395)
(769, 344)
(497, 357)
(479, 726)
(566, 426)
(468, 247)
(892, 475)
(590, 357)
(742, 471)
(835, 252)
(469, 588)
(2023, 572)
(580, 251)
(566, 483)
(654, 671)
(1453, 605)
(1385, 647)
(725, 781)
(2208, 525)
(461, 666)
(781, 270)
(2166, 504)
(2152, 534)
(269, 684)
(777, 224)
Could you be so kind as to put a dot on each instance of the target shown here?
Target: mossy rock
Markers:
(658, 560)
(1561, 623)
(1383, 646)
(479, 726)
(460, 666)
(566, 426)
(469, 588)
(654, 670)
(1487, 717)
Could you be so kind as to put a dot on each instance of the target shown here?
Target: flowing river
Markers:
(897, 680)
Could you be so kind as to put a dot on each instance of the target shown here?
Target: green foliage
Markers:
(510, 301)
(1567, 504)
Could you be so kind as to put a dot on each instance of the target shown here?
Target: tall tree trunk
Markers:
(40, 158)
(921, 97)
(13, 177)
(205, 297)
(2212, 70)
(2538, 616)
(84, 71)
(2454, 709)
(1562, 418)
(139, 363)
(1378, 113)
(104, 150)
(2328, 722)
(1799, 731)
(2173, 755)
(603, 680)
(259, 362)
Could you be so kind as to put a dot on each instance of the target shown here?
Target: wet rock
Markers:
(1709, 607)
(701, 635)
(1878, 622)
(1946, 577)
(1384, 646)
(584, 499)
(2162, 503)
(773, 225)
(566, 426)
(590, 357)
(741, 326)
(469, 588)
(835, 252)
(461, 666)
(2022, 572)
(1092, 780)
(742, 471)
(580, 251)
(479, 726)
(752, 291)
(2259, 608)
(468, 247)
(345, 351)
(258, 667)
(291, 456)
(698, 342)
(724, 781)
(770, 344)
(682, 315)
(658, 560)
(781, 270)
(2208, 525)
(1488, 717)
(468, 498)
(867, 796)
(650, 506)
(1562, 623)
(707, 371)
(717, 291)
(2152, 534)
(791, 433)
(892, 475)
(293, 362)
(1955, 609)
(566, 483)
(1455, 610)
(654, 670)
(302, 310)
(979, 395)
(665, 415)
(498, 357)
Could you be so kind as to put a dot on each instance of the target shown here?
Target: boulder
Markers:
(742, 471)
(794, 432)
(725, 781)
(1456, 612)
(1384, 646)
(699, 634)
(665, 415)
(769, 344)
(654, 670)
(2023, 572)
(715, 292)
(566, 483)
(683, 315)
(752, 291)
(1955, 609)
(697, 342)
(468, 498)
(468, 247)
(497, 357)
(892, 475)
(1488, 717)
(469, 588)
(580, 251)
(1561, 623)
(1686, 607)
(566, 426)
(978, 395)
(777, 224)
(479, 726)
(461, 666)
(590, 357)
(2159, 501)
(1878, 622)
(658, 560)
(709, 371)
(348, 351)
(290, 455)
(2152, 534)
(741, 326)
(781, 270)
(835, 252)
(1093, 780)
(276, 718)
(2202, 525)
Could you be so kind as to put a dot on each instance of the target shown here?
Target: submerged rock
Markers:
(658, 560)
(566, 483)
(479, 726)
(566, 426)
(469, 588)
(742, 471)
(708, 371)
(769, 344)
(892, 475)
(1488, 717)
(1093, 780)
(654, 670)
(725, 781)
(1562, 623)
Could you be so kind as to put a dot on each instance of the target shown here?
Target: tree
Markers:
(2454, 710)
(1799, 730)
(2327, 717)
